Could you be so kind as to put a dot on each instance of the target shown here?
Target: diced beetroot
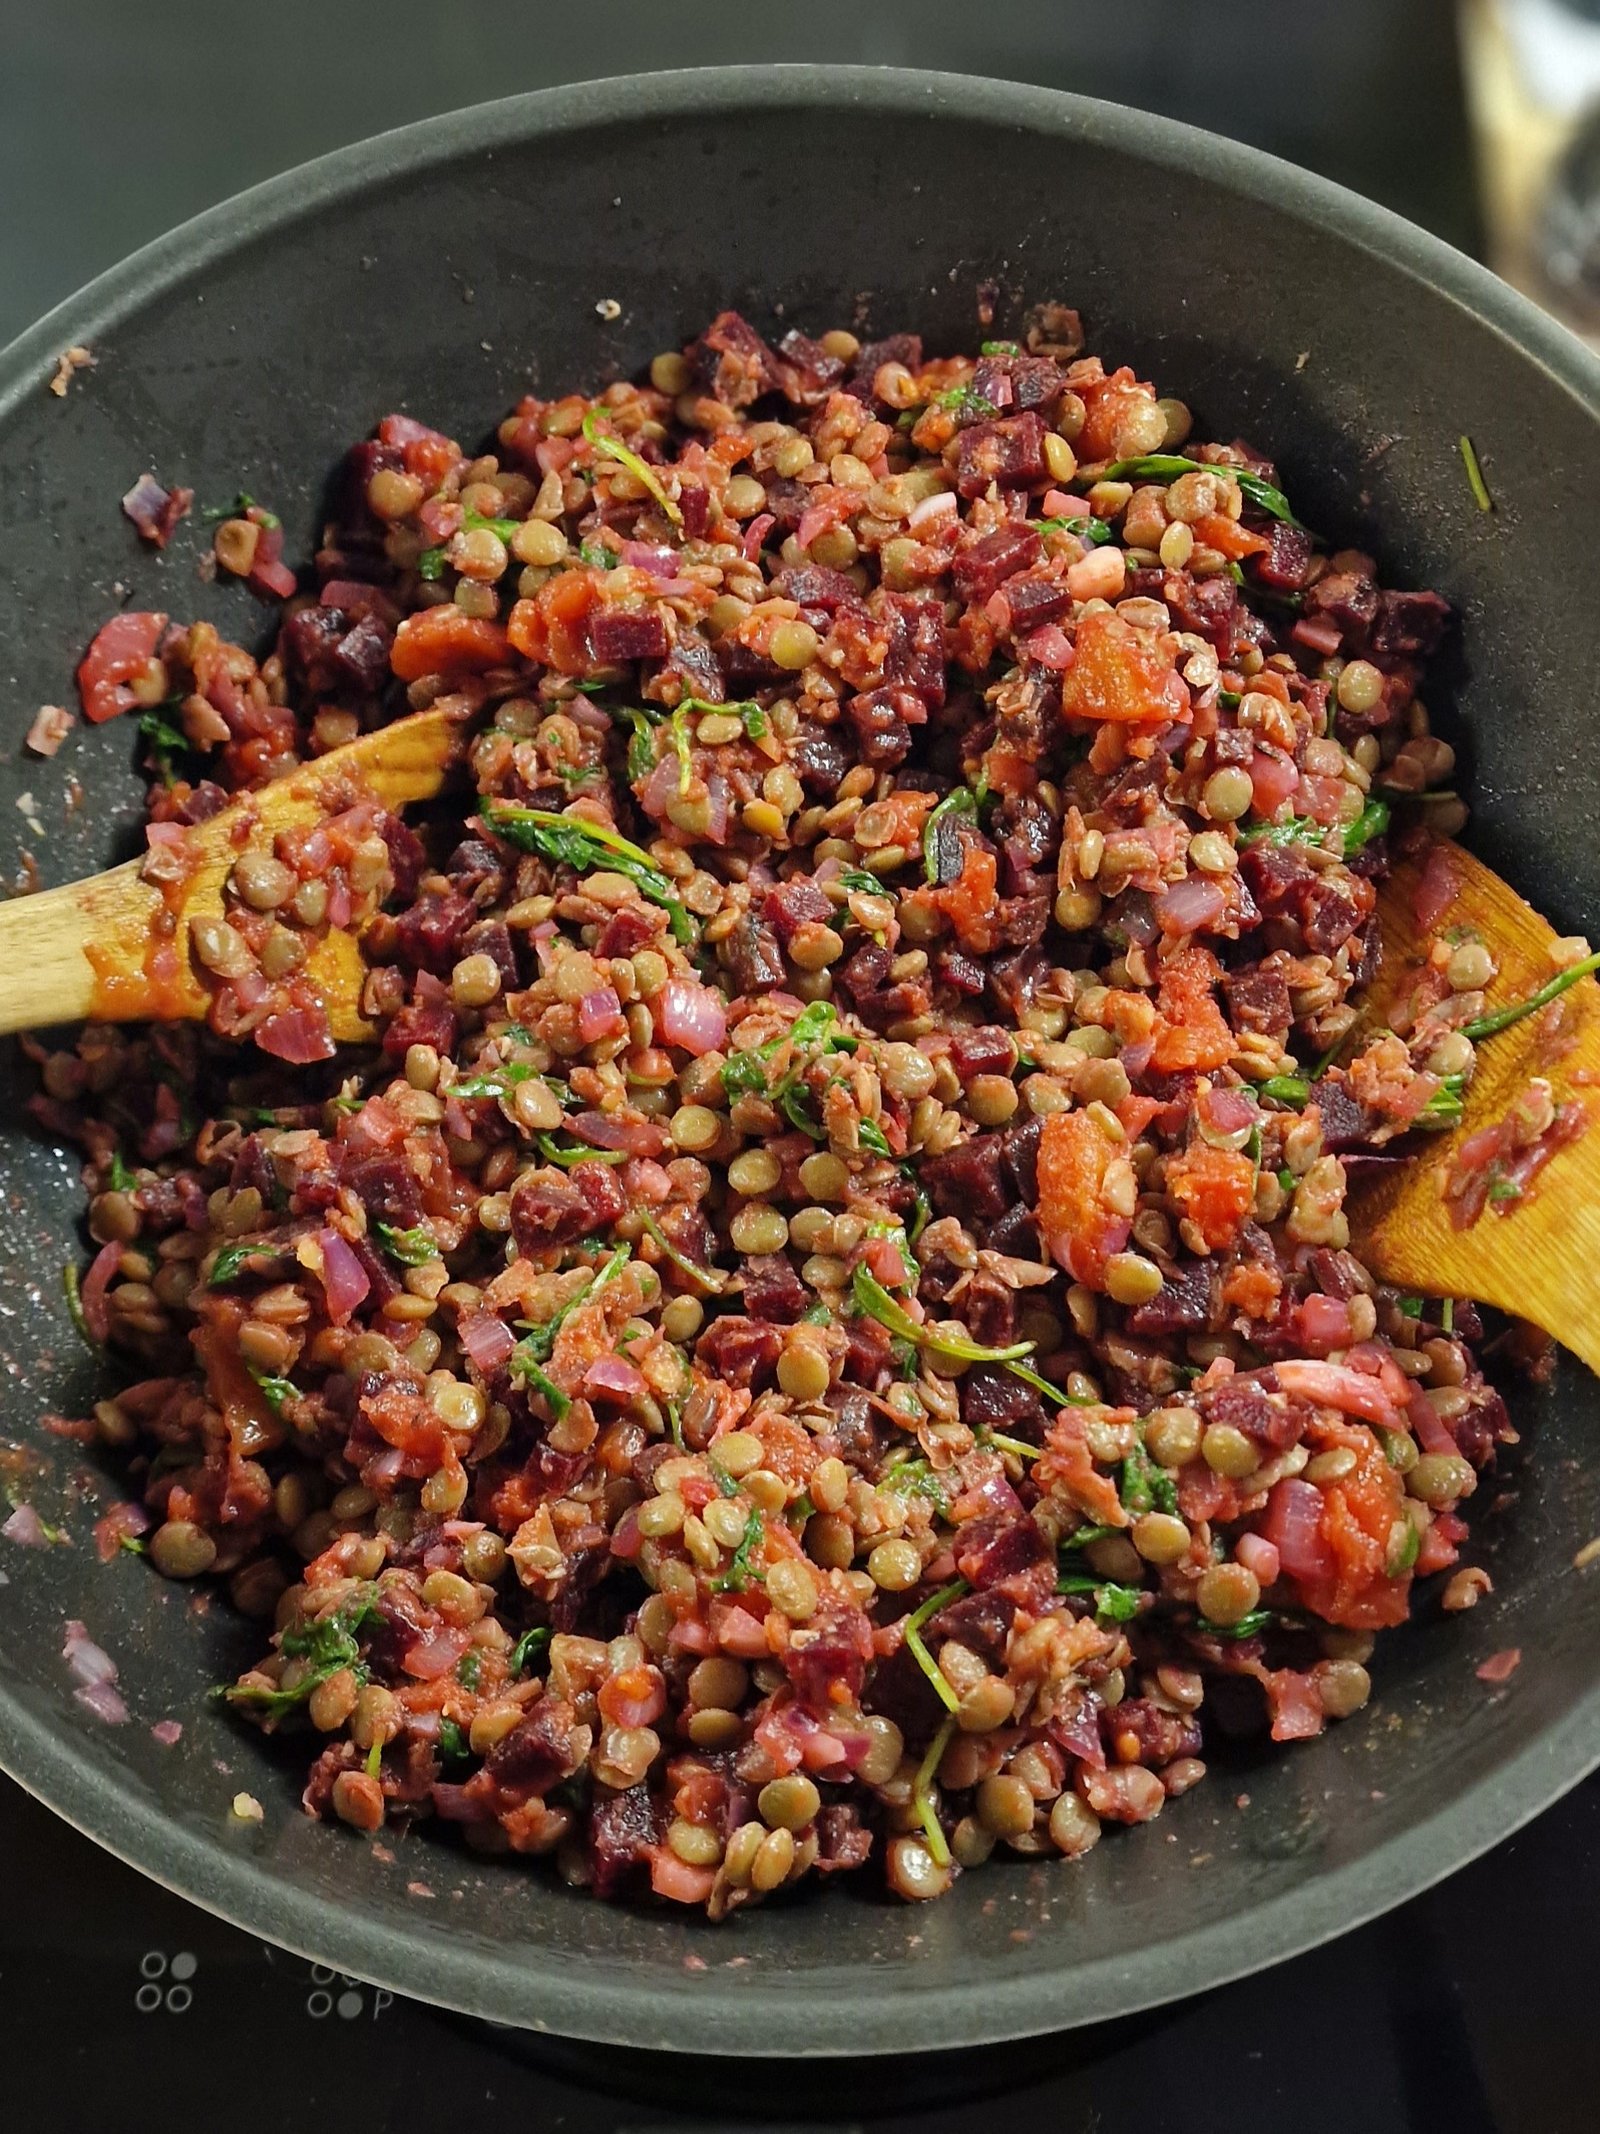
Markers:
(1033, 599)
(743, 1352)
(617, 635)
(540, 1752)
(980, 570)
(903, 348)
(970, 1180)
(981, 1048)
(1410, 625)
(429, 933)
(1001, 1546)
(883, 719)
(622, 1835)
(1287, 558)
(772, 1289)
(1258, 999)
(731, 362)
(805, 371)
(1009, 452)
(794, 903)
(831, 1649)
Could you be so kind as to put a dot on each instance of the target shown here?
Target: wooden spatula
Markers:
(1536, 1255)
(84, 949)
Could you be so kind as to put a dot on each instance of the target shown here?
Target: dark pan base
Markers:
(446, 268)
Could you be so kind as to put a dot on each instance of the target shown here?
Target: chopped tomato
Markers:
(1066, 1468)
(969, 901)
(1120, 675)
(553, 627)
(121, 650)
(1229, 538)
(444, 641)
(1251, 1288)
(1360, 1512)
(1081, 1231)
(1109, 402)
(1191, 1030)
(1214, 1188)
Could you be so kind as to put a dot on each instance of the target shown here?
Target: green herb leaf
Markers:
(1291, 1089)
(965, 403)
(739, 1574)
(431, 565)
(231, 1261)
(241, 504)
(587, 847)
(998, 348)
(1411, 1307)
(165, 739)
(711, 1279)
(1081, 1536)
(919, 1651)
(962, 801)
(527, 1649)
(1370, 823)
(922, 1793)
(862, 880)
(1095, 531)
(1167, 466)
(119, 1179)
(470, 1668)
(614, 448)
(1112, 1603)
(1248, 1626)
(872, 1136)
(570, 1153)
(598, 556)
(915, 1478)
(275, 1391)
(412, 1248)
(328, 1646)
(475, 522)
(493, 1082)
(1145, 1487)
(1491, 1025)
(1475, 480)
(73, 1288)
(453, 1745)
(872, 1298)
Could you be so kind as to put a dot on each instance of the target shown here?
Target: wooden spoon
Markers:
(1537, 1256)
(84, 950)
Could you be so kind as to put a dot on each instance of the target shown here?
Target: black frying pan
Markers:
(445, 268)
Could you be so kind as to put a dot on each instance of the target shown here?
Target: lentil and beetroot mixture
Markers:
(824, 1333)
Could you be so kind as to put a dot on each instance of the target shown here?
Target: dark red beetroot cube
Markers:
(1033, 600)
(815, 586)
(743, 1352)
(980, 571)
(806, 372)
(428, 935)
(1009, 452)
(903, 348)
(1207, 606)
(1285, 562)
(883, 719)
(796, 903)
(915, 655)
(620, 634)
(1410, 625)
(1002, 1545)
(732, 362)
(832, 1648)
(970, 1181)
(772, 1289)
(1258, 999)
(982, 1048)
(622, 1834)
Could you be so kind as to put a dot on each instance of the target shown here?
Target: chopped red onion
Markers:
(691, 1016)
(26, 1528)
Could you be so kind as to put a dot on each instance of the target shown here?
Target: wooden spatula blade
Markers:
(85, 950)
(1537, 1256)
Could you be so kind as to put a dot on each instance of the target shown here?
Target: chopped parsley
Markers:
(1167, 466)
(412, 1248)
(232, 1260)
(588, 847)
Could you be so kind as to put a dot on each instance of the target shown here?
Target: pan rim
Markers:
(429, 1963)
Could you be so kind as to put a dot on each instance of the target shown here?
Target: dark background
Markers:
(119, 118)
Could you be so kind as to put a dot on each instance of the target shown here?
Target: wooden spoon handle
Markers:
(45, 940)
